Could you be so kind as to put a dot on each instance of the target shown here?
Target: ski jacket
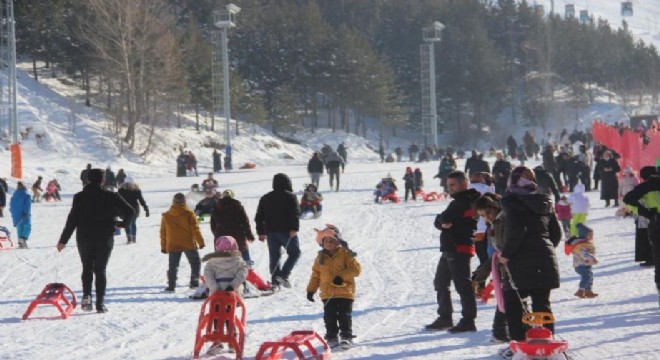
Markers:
(584, 253)
(563, 210)
(278, 210)
(460, 214)
(133, 196)
(326, 267)
(179, 230)
(20, 207)
(578, 200)
(532, 232)
(646, 194)
(230, 219)
(93, 215)
(546, 183)
(315, 165)
(225, 268)
(333, 162)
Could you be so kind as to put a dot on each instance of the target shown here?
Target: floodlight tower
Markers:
(223, 20)
(8, 61)
(430, 34)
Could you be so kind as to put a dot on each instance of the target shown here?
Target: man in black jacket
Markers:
(501, 171)
(93, 215)
(457, 224)
(277, 220)
(546, 182)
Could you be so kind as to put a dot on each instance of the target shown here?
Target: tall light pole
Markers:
(8, 59)
(430, 34)
(224, 20)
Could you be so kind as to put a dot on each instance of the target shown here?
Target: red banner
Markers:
(629, 145)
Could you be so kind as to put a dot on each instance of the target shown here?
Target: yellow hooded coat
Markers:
(327, 267)
(179, 230)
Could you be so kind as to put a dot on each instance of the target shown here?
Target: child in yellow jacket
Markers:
(334, 273)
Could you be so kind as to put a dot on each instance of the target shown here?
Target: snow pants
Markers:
(578, 218)
(316, 177)
(332, 174)
(23, 230)
(455, 266)
(654, 236)
(338, 318)
(94, 255)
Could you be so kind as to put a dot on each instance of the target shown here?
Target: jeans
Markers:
(334, 174)
(586, 276)
(245, 254)
(94, 256)
(514, 309)
(175, 259)
(338, 318)
(131, 230)
(292, 246)
(454, 266)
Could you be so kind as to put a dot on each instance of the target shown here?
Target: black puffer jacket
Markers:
(278, 211)
(229, 218)
(460, 214)
(93, 215)
(532, 232)
(134, 197)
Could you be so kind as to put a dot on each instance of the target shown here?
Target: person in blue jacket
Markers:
(20, 208)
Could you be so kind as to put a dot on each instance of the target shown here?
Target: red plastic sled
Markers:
(433, 196)
(5, 239)
(54, 294)
(540, 342)
(248, 165)
(393, 197)
(220, 322)
(293, 342)
(257, 281)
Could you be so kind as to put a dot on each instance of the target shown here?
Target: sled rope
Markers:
(525, 311)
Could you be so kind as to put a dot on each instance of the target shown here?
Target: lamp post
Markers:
(224, 20)
(430, 35)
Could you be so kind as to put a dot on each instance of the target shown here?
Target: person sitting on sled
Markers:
(334, 272)
(206, 205)
(311, 200)
(225, 270)
(384, 188)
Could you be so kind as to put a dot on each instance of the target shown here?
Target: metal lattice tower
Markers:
(425, 56)
(8, 62)
(430, 34)
(217, 74)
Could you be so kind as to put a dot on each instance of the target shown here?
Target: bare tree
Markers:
(135, 49)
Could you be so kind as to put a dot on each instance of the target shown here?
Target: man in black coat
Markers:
(470, 162)
(457, 224)
(83, 174)
(546, 182)
(93, 216)
(501, 171)
(277, 220)
(332, 163)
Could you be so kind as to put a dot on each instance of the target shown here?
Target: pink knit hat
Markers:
(226, 243)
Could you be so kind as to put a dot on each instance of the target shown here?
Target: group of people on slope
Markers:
(332, 162)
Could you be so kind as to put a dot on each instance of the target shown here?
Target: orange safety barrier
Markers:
(16, 161)
(219, 322)
(54, 294)
(293, 342)
(629, 145)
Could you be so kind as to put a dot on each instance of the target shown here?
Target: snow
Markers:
(397, 246)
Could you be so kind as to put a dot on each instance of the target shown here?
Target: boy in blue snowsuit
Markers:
(21, 209)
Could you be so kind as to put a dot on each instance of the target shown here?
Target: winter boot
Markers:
(346, 343)
(440, 324)
(333, 341)
(215, 349)
(194, 283)
(463, 326)
(22, 243)
(86, 304)
(590, 294)
(580, 293)
(100, 308)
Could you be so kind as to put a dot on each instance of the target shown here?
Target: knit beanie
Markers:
(226, 243)
(583, 230)
(321, 234)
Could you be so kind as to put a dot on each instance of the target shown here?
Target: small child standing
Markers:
(584, 257)
(579, 207)
(419, 181)
(563, 210)
(225, 270)
(409, 179)
(334, 272)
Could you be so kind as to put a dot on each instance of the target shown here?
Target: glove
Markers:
(163, 251)
(229, 288)
(146, 212)
(310, 296)
(337, 280)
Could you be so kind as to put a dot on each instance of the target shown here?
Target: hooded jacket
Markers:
(225, 268)
(547, 184)
(578, 200)
(326, 267)
(229, 218)
(532, 232)
(93, 215)
(278, 210)
(333, 162)
(460, 214)
(179, 230)
(20, 207)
